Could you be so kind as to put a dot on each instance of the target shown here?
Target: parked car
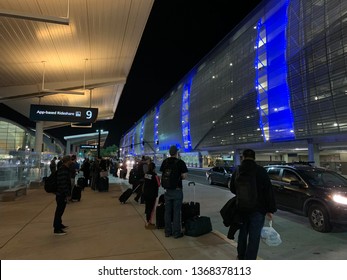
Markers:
(219, 175)
(317, 193)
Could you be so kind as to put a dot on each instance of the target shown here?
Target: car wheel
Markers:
(210, 180)
(319, 218)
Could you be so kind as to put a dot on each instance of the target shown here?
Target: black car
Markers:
(317, 193)
(220, 175)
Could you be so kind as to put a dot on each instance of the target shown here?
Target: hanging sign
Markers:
(62, 113)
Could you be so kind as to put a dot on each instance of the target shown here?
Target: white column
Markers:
(237, 160)
(313, 152)
(68, 147)
(38, 140)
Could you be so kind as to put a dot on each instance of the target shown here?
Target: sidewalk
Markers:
(100, 228)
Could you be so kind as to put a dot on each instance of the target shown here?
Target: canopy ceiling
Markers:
(78, 45)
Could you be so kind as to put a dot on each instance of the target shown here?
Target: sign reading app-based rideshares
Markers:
(62, 113)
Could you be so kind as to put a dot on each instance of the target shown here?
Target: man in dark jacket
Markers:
(62, 194)
(253, 221)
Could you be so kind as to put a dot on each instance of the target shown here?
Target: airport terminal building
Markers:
(276, 83)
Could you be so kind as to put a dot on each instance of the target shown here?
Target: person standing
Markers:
(265, 205)
(62, 195)
(53, 165)
(174, 170)
(150, 193)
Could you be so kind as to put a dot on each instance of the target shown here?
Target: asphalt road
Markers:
(299, 240)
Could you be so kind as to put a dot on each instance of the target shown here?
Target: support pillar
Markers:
(237, 160)
(313, 152)
(38, 141)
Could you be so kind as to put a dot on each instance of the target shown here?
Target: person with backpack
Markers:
(141, 170)
(174, 170)
(62, 194)
(150, 192)
(254, 200)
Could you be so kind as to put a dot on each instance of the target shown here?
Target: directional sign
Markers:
(88, 146)
(62, 113)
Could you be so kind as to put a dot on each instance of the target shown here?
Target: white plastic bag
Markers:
(270, 236)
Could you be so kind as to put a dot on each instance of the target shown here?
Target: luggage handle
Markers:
(192, 183)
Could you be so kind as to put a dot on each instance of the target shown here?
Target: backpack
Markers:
(171, 174)
(50, 183)
(246, 191)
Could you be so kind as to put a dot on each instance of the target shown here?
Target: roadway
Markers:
(299, 240)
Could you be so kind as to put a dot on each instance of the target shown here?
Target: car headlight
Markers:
(340, 199)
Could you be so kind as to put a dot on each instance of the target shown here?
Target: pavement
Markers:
(101, 228)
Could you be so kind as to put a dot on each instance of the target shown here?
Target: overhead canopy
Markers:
(78, 45)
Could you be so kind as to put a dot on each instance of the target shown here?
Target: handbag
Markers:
(270, 236)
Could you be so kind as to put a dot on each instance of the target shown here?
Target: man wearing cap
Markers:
(176, 170)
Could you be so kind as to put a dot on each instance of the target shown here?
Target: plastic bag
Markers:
(270, 236)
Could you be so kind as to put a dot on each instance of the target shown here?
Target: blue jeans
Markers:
(249, 236)
(173, 206)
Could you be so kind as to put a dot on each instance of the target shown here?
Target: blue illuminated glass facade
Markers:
(278, 79)
(185, 117)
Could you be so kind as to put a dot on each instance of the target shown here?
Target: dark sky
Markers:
(178, 34)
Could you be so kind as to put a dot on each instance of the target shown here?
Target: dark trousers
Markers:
(59, 211)
(249, 236)
(149, 206)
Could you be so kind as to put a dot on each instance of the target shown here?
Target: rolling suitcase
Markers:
(160, 216)
(76, 193)
(198, 226)
(82, 182)
(127, 193)
(103, 184)
(190, 209)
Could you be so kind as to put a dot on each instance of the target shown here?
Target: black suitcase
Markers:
(198, 226)
(126, 194)
(160, 216)
(190, 210)
(82, 182)
(76, 193)
(103, 184)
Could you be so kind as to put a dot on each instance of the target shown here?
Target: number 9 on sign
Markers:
(89, 114)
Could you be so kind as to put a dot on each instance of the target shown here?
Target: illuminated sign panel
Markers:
(63, 113)
(88, 146)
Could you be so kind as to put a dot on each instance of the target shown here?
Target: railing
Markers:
(12, 176)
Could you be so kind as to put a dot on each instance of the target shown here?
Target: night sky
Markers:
(178, 34)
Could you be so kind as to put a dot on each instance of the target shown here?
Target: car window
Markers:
(215, 169)
(289, 176)
(274, 173)
(324, 178)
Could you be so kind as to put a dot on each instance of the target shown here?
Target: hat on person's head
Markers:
(173, 150)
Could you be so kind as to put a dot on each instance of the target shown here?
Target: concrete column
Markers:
(68, 147)
(313, 152)
(285, 158)
(39, 140)
(237, 160)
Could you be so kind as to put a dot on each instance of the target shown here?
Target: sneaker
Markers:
(59, 232)
(64, 227)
